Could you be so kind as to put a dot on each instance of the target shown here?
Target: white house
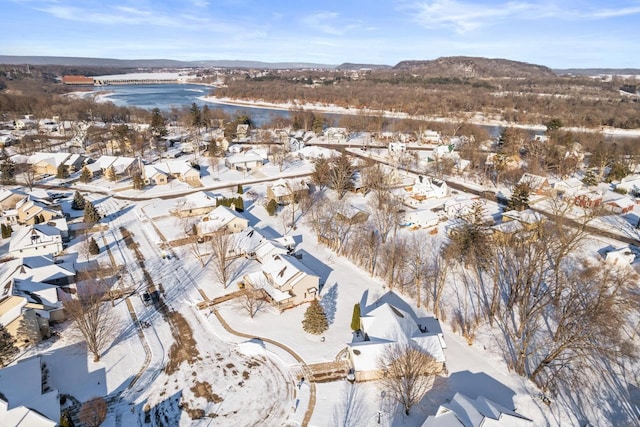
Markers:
(25, 401)
(569, 187)
(422, 218)
(286, 280)
(222, 219)
(426, 187)
(388, 322)
(463, 411)
(37, 239)
(244, 161)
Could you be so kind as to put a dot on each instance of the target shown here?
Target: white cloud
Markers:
(464, 17)
(329, 23)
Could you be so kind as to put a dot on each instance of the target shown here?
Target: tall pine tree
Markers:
(8, 347)
(85, 175)
(315, 319)
(78, 201)
(91, 215)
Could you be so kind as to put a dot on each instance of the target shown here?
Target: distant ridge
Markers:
(351, 66)
(152, 63)
(475, 67)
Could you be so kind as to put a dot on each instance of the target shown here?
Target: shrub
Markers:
(355, 318)
(272, 206)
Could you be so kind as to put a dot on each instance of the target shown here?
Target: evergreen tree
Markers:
(318, 125)
(272, 206)
(315, 319)
(355, 318)
(196, 115)
(590, 179)
(78, 201)
(91, 215)
(7, 171)
(519, 200)
(94, 249)
(138, 182)
(158, 128)
(85, 175)
(110, 173)
(8, 347)
(240, 190)
(6, 231)
(62, 172)
(239, 202)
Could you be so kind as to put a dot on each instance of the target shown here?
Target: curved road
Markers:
(305, 368)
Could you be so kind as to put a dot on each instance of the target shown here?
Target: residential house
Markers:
(569, 187)
(335, 134)
(222, 220)
(621, 205)
(397, 148)
(430, 137)
(287, 191)
(587, 199)
(285, 280)
(528, 218)
(422, 218)
(385, 324)
(312, 152)
(244, 161)
(38, 239)
(499, 161)
(255, 245)
(538, 184)
(26, 400)
(74, 163)
(21, 320)
(426, 187)
(459, 206)
(30, 210)
(48, 163)
(154, 176)
(195, 204)
(123, 166)
(10, 198)
(630, 184)
(463, 411)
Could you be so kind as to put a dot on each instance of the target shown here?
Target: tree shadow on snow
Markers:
(329, 302)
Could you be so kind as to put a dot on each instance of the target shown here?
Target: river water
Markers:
(167, 96)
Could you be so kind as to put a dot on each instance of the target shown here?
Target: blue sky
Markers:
(559, 34)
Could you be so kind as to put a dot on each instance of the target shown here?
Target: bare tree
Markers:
(93, 412)
(438, 269)
(589, 325)
(321, 174)
(27, 174)
(224, 253)
(418, 247)
(252, 299)
(340, 174)
(408, 373)
(93, 320)
(350, 409)
(386, 216)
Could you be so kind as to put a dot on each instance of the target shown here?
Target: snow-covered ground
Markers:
(186, 365)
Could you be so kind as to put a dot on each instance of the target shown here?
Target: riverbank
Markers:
(476, 119)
